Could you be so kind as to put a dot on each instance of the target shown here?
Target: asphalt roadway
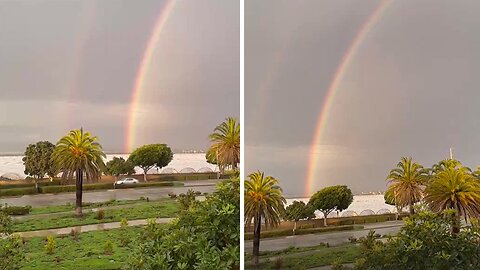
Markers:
(106, 195)
(333, 238)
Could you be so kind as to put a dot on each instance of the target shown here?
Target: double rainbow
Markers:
(140, 77)
(323, 117)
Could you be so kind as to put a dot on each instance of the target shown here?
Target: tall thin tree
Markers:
(79, 154)
(263, 200)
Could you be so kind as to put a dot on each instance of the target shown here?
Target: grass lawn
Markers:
(304, 258)
(159, 208)
(88, 252)
(86, 205)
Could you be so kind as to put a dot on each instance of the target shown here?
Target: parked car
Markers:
(126, 181)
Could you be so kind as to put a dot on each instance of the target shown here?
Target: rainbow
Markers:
(141, 74)
(333, 87)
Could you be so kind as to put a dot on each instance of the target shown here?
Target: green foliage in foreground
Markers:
(425, 243)
(164, 208)
(11, 246)
(85, 251)
(320, 256)
(86, 205)
(205, 236)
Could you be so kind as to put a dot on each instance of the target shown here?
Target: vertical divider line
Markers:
(242, 133)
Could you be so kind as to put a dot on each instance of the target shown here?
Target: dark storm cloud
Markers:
(411, 89)
(66, 64)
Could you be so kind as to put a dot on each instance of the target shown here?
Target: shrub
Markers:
(16, 210)
(187, 200)
(278, 264)
(6, 223)
(74, 234)
(424, 242)
(124, 237)
(50, 245)
(108, 248)
(337, 265)
(12, 252)
(18, 191)
(100, 214)
(123, 223)
(172, 195)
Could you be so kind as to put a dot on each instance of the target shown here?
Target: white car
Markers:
(126, 181)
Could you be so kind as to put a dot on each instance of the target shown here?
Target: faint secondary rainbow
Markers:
(141, 74)
(329, 97)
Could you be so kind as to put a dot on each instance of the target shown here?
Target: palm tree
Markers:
(407, 183)
(449, 164)
(263, 199)
(226, 142)
(79, 154)
(454, 188)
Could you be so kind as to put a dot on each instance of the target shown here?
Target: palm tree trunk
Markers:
(411, 209)
(456, 221)
(256, 237)
(79, 186)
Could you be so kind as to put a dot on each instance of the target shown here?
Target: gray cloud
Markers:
(74, 63)
(411, 88)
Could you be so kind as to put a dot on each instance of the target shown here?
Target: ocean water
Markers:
(14, 164)
(360, 203)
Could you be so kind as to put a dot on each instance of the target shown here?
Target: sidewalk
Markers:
(333, 238)
(89, 228)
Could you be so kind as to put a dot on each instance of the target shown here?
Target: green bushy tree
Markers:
(151, 155)
(38, 160)
(334, 198)
(298, 210)
(119, 166)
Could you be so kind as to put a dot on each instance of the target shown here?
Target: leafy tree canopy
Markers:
(204, 236)
(299, 210)
(334, 198)
(151, 155)
(211, 156)
(38, 160)
(119, 166)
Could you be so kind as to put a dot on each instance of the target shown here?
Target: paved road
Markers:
(106, 195)
(89, 228)
(333, 238)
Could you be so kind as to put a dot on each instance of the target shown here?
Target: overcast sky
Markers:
(71, 64)
(412, 88)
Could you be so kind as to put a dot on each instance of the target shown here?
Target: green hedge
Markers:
(72, 188)
(16, 210)
(278, 233)
(25, 185)
(147, 184)
(17, 191)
